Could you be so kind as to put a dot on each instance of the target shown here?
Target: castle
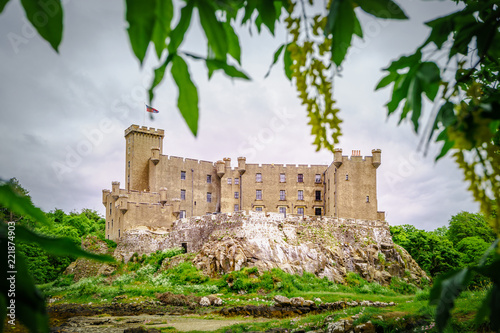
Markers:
(160, 189)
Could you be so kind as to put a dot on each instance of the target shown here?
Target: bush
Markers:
(63, 281)
(354, 280)
(185, 273)
(402, 287)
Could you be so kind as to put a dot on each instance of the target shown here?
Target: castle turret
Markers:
(227, 162)
(163, 195)
(115, 190)
(376, 157)
(123, 203)
(105, 194)
(155, 155)
(221, 168)
(176, 207)
(337, 157)
(241, 165)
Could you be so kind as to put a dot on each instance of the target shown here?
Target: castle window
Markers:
(346, 176)
(236, 181)
(282, 195)
(317, 178)
(118, 233)
(236, 207)
(300, 195)
(183, 175)
(258, 209)
(300, 178)
(229, 181)
(110, 208)
(318, 195)
(300, 211)
(317, 211)
(111, 223)
(209, 197)
(108, 224)
(129, 164)
(236, 195)
(258, 177)
(183, 194)
(282, 178)
(209, 179)
(367, 198)
(282, 210)
(258, 195)
(182, 214)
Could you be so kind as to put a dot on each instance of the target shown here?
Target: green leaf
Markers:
(287, 60)
(188, 95)
(415, 101)
(62, 246)
(445, 290)
(428, 72)
(405, 61)
(441, 28)
(495, 307)
(445, 116)
(177, 35)
(447, 144)
(164, 12)
(214, 30)
(340, 23)
(158, 77)
(267, 12)
(2, 4)
(386, 9)
(47, 18)
(215, 64)
(357, 27)
(391, 77)
(233, 42)
(484, 309)
(142, 20)
(29, 303)
(20, 204)
(275, 58)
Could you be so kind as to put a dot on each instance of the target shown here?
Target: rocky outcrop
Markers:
(84, 267)
(326, 247)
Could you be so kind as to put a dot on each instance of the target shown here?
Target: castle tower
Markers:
(355, 185)
(142, 143)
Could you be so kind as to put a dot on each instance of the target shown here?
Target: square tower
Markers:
(141, 144)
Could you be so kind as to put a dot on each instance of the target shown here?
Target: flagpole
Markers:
(144, 116)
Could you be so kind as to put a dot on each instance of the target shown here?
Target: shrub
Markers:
(353, 279)
(63, 281)
(402, 287)
(185, 273)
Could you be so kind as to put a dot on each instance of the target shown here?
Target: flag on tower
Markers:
(151, 109)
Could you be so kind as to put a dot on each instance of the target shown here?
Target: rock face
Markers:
(83, 267)
(327, 247)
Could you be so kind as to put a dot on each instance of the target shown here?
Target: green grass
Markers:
(145, 277)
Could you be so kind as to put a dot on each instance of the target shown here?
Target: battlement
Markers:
(144, 130)
(188, 160)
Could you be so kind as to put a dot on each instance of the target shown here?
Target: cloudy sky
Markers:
(63, 115)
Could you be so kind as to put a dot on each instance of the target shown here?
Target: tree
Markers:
(464, 225)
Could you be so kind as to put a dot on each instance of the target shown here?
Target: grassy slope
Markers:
(147, 276)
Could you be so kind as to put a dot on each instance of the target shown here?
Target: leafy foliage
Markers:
(30, 306)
